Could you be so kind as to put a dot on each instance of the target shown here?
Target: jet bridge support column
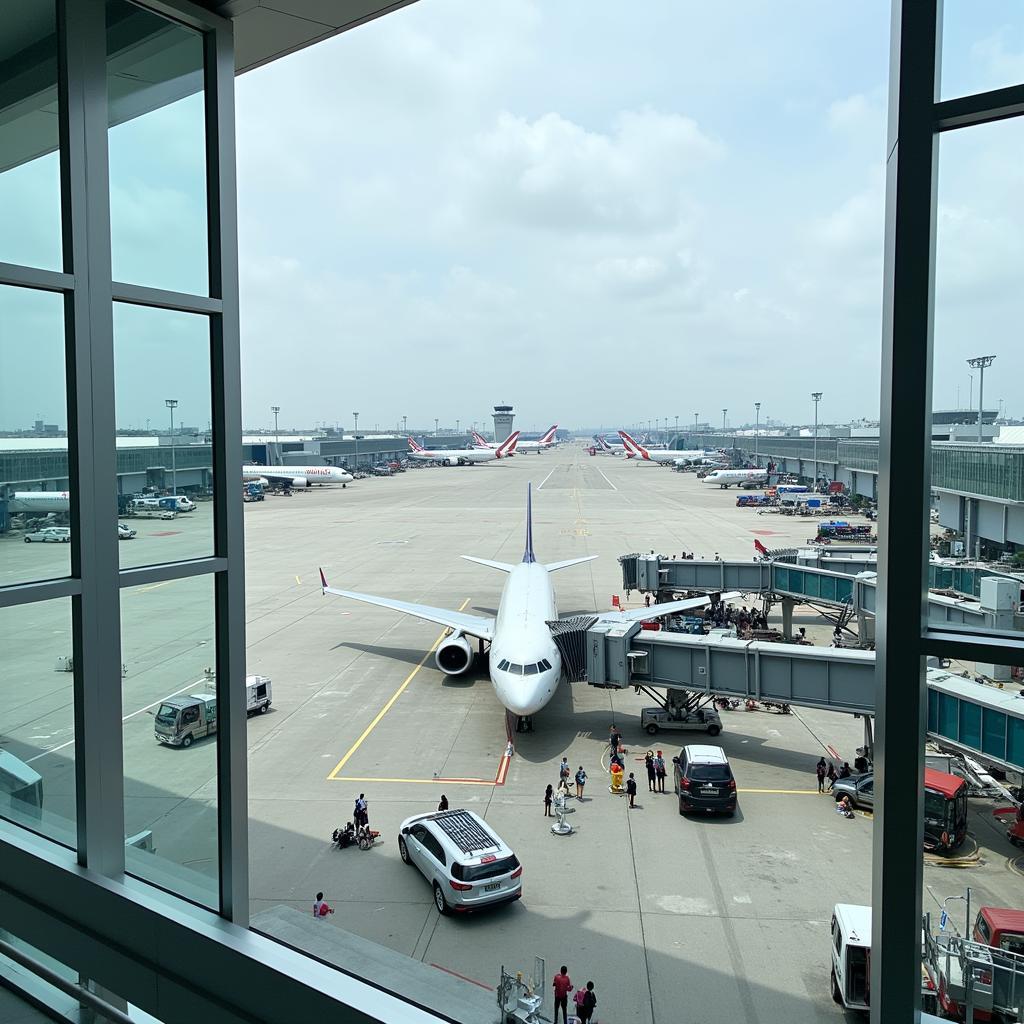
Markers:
(788, 604)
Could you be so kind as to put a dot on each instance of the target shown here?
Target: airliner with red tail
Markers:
(545, 442)
(463, 456)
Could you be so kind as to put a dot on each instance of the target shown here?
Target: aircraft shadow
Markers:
(409, 655)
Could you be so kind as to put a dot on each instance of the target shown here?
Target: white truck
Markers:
(182, 720)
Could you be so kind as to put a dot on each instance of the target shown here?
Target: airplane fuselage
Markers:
(306, 474)
(726, 477)
(522, 641)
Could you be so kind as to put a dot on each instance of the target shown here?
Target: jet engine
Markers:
(454, 656)
(300, 481)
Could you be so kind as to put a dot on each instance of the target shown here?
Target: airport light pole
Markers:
(695, 424)
(275, 409)
(816, 395)
(435, 426)
(677, 426)
(979, 363)
(172, 404)
(355, 437)
(724, 411)
(757, 428)
(405, 420)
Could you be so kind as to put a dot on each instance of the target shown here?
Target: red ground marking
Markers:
(165, 533)
(767, 533)
(472, 981)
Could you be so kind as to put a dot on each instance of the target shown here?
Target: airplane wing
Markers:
(503, 566)
(555, 566)
(665, 608)
(474, 625)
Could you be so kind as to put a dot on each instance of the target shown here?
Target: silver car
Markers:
(859, 788)
(49, 535)
(467, 864)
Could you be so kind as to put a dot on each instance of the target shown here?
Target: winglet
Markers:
(528, 555)
(323, 580)
(632, 446)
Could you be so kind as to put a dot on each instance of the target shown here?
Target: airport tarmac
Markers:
(674, 919)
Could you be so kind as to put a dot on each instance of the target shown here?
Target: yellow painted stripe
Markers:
(791, 792)
(387, 707)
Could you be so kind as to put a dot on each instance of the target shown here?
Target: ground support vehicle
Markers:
(182, 720)
(982, 976)
(945, 805)
(125, 532)
(679, 710)
(252, 492)
(851, 956)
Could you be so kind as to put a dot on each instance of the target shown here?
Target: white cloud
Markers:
(554, 174)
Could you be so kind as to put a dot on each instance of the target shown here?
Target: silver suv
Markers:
(467, 865)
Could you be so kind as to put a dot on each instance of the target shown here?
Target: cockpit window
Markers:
(503, 664)
(530, 670)
(544, 665)
(516, 670)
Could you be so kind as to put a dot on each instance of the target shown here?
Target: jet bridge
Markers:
(844, 583)
(983, 721)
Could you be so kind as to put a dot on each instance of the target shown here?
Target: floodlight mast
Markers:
(979, 363)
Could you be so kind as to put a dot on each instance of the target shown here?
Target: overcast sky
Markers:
(599, 216)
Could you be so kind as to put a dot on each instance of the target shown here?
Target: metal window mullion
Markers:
(904, 456)
(33, 277)
(164, 572)
(161, 298)
(232, 783)
(92, 463)
(47, 590)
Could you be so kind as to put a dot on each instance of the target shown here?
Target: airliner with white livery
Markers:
(297, 476)
(674, 457)
(525, 665)
(546, 441)
(742, 477)
(464, 456)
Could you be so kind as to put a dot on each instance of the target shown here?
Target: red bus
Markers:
(945, 810)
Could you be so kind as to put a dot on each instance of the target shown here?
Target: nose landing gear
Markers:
(524, 723)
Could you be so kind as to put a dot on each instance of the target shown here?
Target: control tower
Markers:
(503, 417)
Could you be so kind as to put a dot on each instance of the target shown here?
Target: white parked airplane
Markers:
(524, 663)
(40, 501)
(297, 476)
(637, 450)
(547, 441)
(726, 477)
(603, 445)
(464, 456)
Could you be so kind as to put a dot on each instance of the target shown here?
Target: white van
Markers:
(149, 508)
(851, 956)
(182, 720)
(177, 503)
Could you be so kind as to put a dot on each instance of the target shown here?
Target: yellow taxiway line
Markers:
(387, 707)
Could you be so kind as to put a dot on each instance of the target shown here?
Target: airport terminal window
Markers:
(978, 46)
(37, 756)
(170, 765)
(33, 390)
(158, 221)
(29, 164)
(162, 355)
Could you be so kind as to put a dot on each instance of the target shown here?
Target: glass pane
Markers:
(982, 46)
(165, 493)
(33, 438)
(37, 721)
(170, 743)
(30, 217)
(157, 151)
(977, 461)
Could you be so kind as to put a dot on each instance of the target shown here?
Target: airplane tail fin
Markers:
(550, 435)
(631, 446)
(603, 443)
(323, 581)
(479, 440)
(414, 445)
(508, 446)
(528, 555)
